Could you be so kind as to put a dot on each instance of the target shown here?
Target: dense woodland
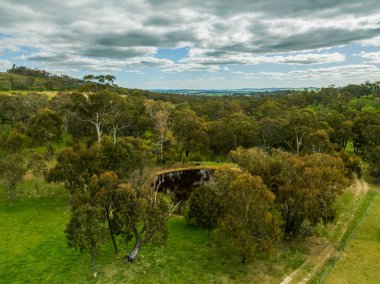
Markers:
(295, 152)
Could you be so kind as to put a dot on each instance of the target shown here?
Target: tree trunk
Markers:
(114, 134)
(133, 253)
(94, 265)
(111, 232)
(10, 198)
(162, 148)
(243, 259)
(11, 194)
(98, 130)
(65, 123)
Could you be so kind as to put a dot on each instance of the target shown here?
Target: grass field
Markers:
(33, 249)
(359, 263)
(369, 103)
(50, 94)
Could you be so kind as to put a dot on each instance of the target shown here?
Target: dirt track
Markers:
(325, 250)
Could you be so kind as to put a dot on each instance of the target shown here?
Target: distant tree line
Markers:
(24, 78)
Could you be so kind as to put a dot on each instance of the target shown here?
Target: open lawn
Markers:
(369, 103)
(33, 249)
(50, 94)
(359, 263)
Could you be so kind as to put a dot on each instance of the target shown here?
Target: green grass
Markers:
(368, 102)
(50, 94)
(350, 147)
(215, 164)
(33, 249)
(359, 262)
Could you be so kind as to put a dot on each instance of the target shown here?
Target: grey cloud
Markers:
(111, 52)
(276, 8)
(145, 38)
(316, 39)
(161, 20)
(134, 29)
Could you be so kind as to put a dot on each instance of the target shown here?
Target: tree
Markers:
(249, 223)
(318, 142)
(63, 104)
(243, 129)
(104, 190)
(19, 108)
(14, 141)
(365, 132)
(301, 124)
(11, 173)
(143, 213)
(76, 166)
(88, 77)
(352, 163)
(104, 111)
(221, 138)
(341, 129)
(160, 113)
(359, 104)
(270, 132)
(376, 103)
(189, 131)
(374, 163)
(124, 157)
(45, 127)
(85, 231)
(305, 186)
(204, 208)
(38, 167)
(102, 79)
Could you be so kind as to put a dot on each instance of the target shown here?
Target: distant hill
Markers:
(219, 92)
(23, 78)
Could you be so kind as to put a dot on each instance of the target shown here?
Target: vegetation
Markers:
(104, 144)
(358, 261)
(12, 172)
(249, 222)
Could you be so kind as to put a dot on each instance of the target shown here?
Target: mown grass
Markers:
(359, 263)
(33, 249)
(368, 103)
(350, 147)
(50, 94)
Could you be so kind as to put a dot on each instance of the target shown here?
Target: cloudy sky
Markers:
(196, 44)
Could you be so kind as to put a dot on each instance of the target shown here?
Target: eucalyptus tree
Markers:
(143, 213)
(45, 127)
(105, 111)
(12, 172)
(189, 131)
(305, 186)
(38, 167)
(249, 222)
(204, 208)
(160, 114)
(85, 231)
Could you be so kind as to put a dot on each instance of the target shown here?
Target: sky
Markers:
(197, 44)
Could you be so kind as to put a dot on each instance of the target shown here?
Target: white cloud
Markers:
(5, 64)
(139, 72)
(190, 67)
(318, 76)
(209, 57)
(112, 35)
(372, 57)
(375, 41)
